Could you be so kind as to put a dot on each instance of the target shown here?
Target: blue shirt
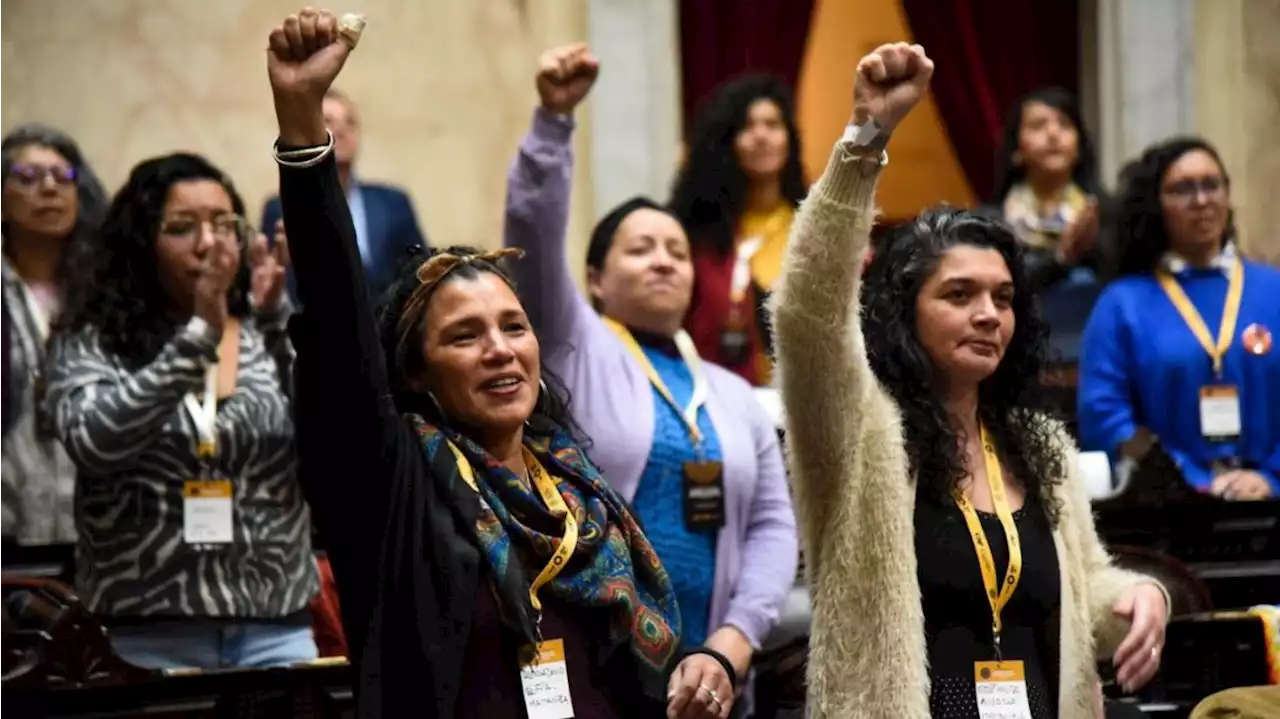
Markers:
(689, 557)
(1141, 366)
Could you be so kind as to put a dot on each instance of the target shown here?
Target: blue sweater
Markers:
(1141, 366)
(690, 557)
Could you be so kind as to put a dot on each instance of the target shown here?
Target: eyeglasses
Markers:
(1187, 190)
(30, 177)
(223, 227)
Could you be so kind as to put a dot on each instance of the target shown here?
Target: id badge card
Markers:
(703, 496)
(1002, 690)
(545, 680)
(1220, 412)
(207, 513)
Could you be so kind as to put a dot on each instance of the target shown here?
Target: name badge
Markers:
(1002, 690)
(703, 495)
(545, 680)
(207, 512)
(1219, 411)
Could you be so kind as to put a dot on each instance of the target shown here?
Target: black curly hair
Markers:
(709, 193)
(1012, 403)
(79, 254)
(1008, 174)
(1140, 228)
(404, 352)
(125, 302)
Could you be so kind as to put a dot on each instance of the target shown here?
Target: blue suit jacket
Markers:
(392, 229)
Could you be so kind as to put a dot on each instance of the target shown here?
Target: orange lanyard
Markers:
(998, 595)
(551, 496)
(1195, 323)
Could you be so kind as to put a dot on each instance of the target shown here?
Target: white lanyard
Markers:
(39, 318)
(689, 353)
(742, 267)
(205, 416)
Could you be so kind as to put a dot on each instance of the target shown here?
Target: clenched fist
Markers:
(890, 81)
(565, 76)
(304, 55)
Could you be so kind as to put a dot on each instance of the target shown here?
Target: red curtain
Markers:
(987, 54)
(720, 39)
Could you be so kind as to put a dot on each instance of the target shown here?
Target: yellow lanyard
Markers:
(998, 595)
(1190, 315)
(551, 496)
(690, 356)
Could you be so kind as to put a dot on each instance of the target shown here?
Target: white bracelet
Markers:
(293, 158)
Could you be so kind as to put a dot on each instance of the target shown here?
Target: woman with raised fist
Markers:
(485, 568)
(951, 551)
(684, 441)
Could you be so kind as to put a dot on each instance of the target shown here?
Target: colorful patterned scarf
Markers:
(613, 567)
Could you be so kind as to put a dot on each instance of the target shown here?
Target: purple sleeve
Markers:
(771, 549)
(537, 219)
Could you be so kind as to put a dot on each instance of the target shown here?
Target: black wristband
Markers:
(724, 662)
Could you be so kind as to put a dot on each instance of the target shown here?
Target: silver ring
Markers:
(711, 693)
(1155, 652)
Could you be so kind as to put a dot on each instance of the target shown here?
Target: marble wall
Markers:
(1209, 67)
(1237, 75)
(445, 91)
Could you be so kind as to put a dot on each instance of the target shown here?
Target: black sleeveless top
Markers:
(957, 615)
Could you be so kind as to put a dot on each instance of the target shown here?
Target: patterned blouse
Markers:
(135, 445)
(38, 479)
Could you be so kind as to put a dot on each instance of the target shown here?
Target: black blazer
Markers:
(391, 225)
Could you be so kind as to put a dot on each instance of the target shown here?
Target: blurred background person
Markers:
(736, 194)
(1181, 342)
(386, 225)
(52, 207)
(1047, 189)
(169, 385)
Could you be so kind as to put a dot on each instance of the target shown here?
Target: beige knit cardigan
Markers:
(855, 501)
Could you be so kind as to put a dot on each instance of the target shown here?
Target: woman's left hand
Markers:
(268, 268)
(1138, 657)
(699, 689)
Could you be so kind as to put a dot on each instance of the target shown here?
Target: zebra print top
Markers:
(135, 445)
(37, 479)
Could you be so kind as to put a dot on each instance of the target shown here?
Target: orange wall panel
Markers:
(923, 169)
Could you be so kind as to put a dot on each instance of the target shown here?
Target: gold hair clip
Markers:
(435, 269)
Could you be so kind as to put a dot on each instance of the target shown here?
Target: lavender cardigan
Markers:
(613, 401)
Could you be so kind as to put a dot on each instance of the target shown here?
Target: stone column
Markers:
(1145, 73)
(1237, 74)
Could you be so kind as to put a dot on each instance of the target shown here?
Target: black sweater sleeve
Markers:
(348, 429)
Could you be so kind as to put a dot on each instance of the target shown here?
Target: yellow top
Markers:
(772, 228)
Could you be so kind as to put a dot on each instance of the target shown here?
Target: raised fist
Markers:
(307, 51)
(890, 81)
(565, 76)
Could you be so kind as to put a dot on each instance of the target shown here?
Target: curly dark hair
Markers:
(404, 354)
(1008, 174)
(710, 192)
(80, 252)
(1140, 228)
(126, 302)
(1012, 403)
